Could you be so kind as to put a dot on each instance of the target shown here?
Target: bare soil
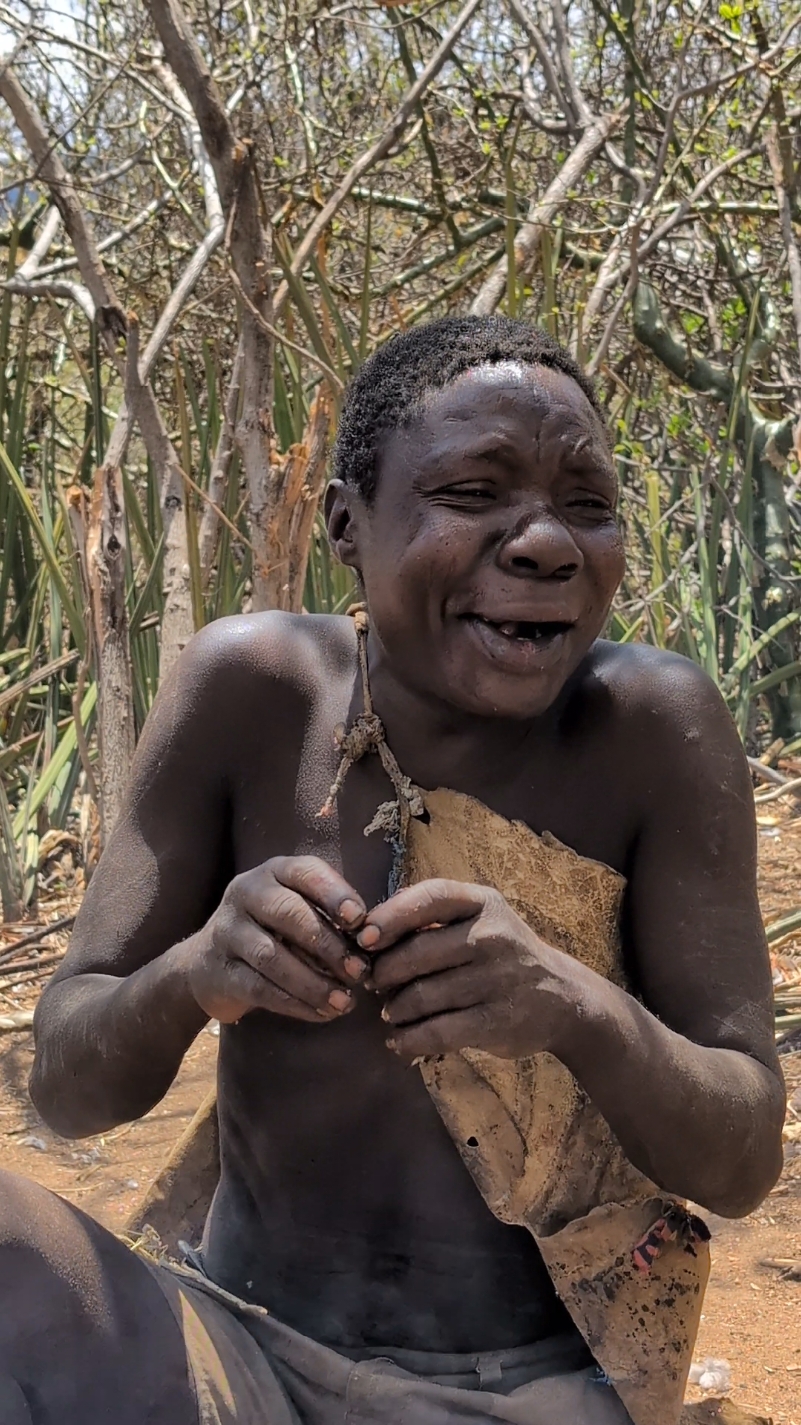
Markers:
(752, 1315)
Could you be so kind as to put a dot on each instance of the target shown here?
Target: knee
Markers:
(53, 1291)
(28, 1212)
(31, 1244)
(48, 1254)
(17, 1208)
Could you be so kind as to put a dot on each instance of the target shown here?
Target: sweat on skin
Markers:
(489, 554)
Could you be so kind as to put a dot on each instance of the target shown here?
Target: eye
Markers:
(586, 507)
(474, 493)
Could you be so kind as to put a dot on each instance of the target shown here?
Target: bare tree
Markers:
(257, 199)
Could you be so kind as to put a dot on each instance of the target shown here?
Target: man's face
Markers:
(491, 552)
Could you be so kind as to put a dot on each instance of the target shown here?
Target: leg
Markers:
(86, 1335)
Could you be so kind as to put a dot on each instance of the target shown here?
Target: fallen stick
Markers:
(787, 790)
(35, 936)
(788, 1267)
(9, 971)
(784, 926)
(765, 773)
(11, 1023)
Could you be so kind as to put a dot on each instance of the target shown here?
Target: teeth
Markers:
(528, 632)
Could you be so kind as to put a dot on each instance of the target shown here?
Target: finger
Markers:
(425, 954)
(277, 965)
(254, 992)
(318, 882)
(435, 995)
(284, 912)
(444, 1034)
(416, 907)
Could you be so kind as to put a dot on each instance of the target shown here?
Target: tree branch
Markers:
(543, 54)
(580, 107)
(248, 240)
(230, 156)
(44, 287)
(28, 269)
(108, 311)
(650, 328)
(65, 264)
(378, 150)
(178, 629)
(541, 214)
(220, 467)
(777, 168)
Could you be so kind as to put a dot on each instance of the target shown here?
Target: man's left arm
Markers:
(689, 1078)
(686, 1072)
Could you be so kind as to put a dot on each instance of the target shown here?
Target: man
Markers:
(475, 496)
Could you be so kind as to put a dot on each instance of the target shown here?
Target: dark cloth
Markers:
(250, 1369)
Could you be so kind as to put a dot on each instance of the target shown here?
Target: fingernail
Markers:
(355, 967)
(385, 1013)
(392, 1044)
(419, 1060)
(340, 999)
(350, 912)
(369, 937)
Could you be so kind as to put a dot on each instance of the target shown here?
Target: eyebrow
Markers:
(492, 443)
(483, 448)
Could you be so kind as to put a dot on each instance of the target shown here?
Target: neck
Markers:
(437, 744)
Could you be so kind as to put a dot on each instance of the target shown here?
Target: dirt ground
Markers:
(752, 1316)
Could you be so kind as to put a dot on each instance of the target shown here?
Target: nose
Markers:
(541, 545)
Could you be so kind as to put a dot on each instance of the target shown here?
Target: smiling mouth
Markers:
(538, 634)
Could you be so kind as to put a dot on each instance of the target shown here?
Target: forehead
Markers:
(511, 401)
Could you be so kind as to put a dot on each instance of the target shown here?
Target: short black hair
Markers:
(387, 391)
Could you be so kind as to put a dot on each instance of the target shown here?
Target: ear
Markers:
(342, 508)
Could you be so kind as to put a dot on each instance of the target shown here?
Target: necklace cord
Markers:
(367, 734)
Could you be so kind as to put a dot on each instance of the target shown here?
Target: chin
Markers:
(505, 697)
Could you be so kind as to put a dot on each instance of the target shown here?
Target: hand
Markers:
(460, 970)
(279, 940)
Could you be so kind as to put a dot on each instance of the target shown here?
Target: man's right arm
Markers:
(167, 936)
(113, 1025)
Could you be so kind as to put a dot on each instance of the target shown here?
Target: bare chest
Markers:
(564, 787)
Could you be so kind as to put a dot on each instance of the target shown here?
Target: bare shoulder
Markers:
(289, 649)
(271, 661)
(242, 685)
(682, 761)
(664, 698)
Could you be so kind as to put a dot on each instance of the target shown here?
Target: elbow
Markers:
(46, 1101)
(73, 1108)
(53, 1087)
(72, 1092)
(58, 1100)
(747, 1174)
(748, 1186)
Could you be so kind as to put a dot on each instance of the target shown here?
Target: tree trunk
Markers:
(209, 534)
(101, 542)
(177, 624)
(770, 443)
(292, 496)
(775, 594)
